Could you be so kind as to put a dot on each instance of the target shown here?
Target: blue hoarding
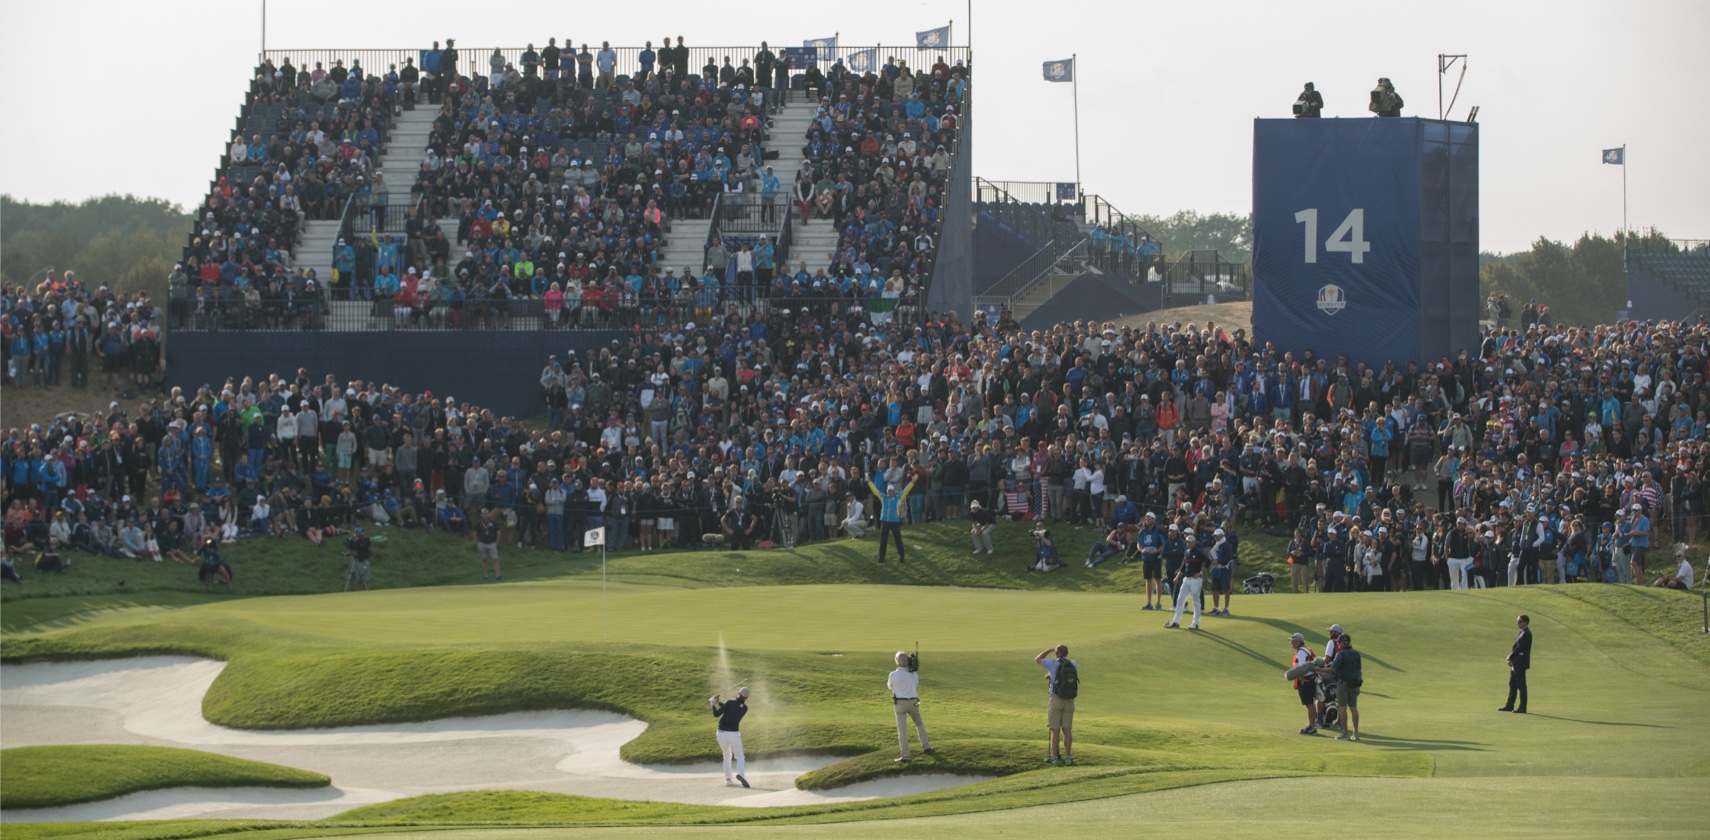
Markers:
(1336, 237)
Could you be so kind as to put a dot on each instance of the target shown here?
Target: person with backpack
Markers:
(1064, 679)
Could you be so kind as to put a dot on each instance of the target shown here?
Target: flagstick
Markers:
(603, 612)
(1074, 64)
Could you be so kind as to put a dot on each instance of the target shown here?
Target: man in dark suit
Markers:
(1519, 659)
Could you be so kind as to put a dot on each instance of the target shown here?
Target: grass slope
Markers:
(292, 566)
(44, 777)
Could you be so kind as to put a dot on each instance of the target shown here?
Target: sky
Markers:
(120, 96)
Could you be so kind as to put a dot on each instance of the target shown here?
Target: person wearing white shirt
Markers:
(905, 695)
(855, 525)
(1682, 574)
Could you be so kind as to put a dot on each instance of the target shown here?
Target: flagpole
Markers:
(1624, 229)
(603, 612)
(1074, 64)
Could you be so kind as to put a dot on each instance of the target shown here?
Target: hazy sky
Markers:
(121, 96)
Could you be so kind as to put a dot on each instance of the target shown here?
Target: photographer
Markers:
(1045, 552)
(1310, 104)
(360, 548)
(904, 684)
(1385, 101)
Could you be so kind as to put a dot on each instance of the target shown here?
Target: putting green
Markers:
(830, 618)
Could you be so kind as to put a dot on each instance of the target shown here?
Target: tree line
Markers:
(125, 242)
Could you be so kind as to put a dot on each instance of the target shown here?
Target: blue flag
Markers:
(827, 46)
(933, 38)
(865, 61)
(1060, 71)
(1065, 191)
(1615, 156)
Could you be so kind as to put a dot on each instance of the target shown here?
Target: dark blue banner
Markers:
(1336, 237)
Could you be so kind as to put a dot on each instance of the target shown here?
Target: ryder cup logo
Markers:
(1331, 300)
(1059, 70)
(1612, 156)
(934, 38)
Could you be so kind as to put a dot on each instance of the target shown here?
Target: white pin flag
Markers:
(595, 536)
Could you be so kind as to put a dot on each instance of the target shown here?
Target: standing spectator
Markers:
(1064, 680)
(487, 544)
(1519, 659)
(904, 684)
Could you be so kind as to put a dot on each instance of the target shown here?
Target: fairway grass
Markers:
(44, 777)
(1166, 718)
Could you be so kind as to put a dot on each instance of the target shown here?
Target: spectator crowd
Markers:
(1554, 453)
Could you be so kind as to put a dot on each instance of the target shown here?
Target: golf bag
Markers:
(1260, 584)
(1327, 694)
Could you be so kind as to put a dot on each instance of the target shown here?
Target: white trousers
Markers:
(1189, 594)
(855, 527)
(1458, 567)
(982, 539)
(731, 744)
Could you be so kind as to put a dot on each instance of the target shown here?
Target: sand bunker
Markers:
(158, 700)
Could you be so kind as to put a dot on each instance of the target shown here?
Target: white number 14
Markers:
(1350, 236)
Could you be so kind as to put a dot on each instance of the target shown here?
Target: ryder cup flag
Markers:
(1615, 156)
(865, 61)
(932, 38)
(826, 46)
(1060, 71)
(595, 536)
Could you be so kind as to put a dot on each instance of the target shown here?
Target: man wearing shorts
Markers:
(1060, 717)
(1306, 685)
(1222, 572)
(487, 543)
(1346, 668)
(1150, 542)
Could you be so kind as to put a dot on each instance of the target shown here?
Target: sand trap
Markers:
(158, 700)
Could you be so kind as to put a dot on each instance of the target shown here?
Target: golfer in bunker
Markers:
(730, 732)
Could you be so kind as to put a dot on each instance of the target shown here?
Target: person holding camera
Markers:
(904, 684)
(487, 543)
(1045, 557)
(1310, 104)
(1385, 101)
(360, 548)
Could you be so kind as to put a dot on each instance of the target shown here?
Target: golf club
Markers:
(728, 690)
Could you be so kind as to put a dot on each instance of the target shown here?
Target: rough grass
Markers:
(44, 777)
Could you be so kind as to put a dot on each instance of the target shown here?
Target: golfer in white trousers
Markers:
(730, 733)
(1189, 581)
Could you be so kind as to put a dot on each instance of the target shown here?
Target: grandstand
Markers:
(373, 197)
(1668, 279)
(1037, 241)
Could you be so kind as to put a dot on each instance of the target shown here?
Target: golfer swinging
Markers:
(890, 515)
(730, 733)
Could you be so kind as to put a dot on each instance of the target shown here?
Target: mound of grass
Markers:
(44, 777)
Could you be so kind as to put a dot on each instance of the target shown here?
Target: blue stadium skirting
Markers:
(498, 370)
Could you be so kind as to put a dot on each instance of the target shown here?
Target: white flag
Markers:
(595, 536)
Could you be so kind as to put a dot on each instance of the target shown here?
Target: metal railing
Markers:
(1036, 192)
(1069, 256)
(1038, 223)
(1199, 274)
(740, 219)
(328, 312)
(473, 61)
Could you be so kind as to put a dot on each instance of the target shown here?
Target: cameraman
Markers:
(1310, 105)
(1385, 101)
(904, 684)
(361, 549)
(1045, 557)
